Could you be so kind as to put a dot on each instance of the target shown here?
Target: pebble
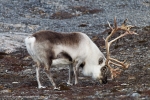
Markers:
(124, 84)
(28, 71)
(136, 96)
(15, 82)
(6, 91)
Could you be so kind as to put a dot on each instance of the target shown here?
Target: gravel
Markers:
(89, 16)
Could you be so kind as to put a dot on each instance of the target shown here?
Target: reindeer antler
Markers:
(109, 60)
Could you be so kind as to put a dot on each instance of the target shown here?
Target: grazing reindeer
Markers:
(49, 48)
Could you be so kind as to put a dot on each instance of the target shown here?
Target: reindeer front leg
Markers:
(70, 74)
(76, 65)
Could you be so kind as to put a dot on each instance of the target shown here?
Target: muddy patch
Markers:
(74, 12)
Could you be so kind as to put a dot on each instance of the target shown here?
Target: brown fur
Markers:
(82, 65)
(64, 55)
(58, 38)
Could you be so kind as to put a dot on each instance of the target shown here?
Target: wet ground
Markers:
(18, 81)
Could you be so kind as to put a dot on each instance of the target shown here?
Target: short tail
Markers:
(29, 42)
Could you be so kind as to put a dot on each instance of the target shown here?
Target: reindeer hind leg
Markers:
(49, 74)
(38, 76)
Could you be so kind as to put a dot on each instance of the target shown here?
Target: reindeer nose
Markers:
(103, 80)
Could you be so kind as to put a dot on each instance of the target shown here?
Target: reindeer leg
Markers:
(75, 72)
(70, 74)
(76, 76)
(49, 75)
(38, 76)
(76, 65)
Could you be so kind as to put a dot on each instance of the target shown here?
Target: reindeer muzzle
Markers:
(103, 80)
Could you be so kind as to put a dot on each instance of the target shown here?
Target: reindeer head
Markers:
(111, 61)
(100, 72)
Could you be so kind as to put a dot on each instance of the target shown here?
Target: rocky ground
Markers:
(19, 19)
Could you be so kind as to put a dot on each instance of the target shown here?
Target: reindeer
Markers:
(48, 48)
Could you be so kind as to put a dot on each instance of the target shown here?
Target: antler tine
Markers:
(124, 61)
(114, 72)
(115, 23)
(124, 22)
(119, 63)
(126, 27)
(126, 64)
(109, 25)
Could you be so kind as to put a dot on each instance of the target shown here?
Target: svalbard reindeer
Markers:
(49, 48)
(77, 49)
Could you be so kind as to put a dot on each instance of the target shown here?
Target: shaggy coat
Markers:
(49, 48)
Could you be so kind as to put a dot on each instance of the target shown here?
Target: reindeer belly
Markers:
(62, 58)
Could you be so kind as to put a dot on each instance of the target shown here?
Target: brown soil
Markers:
(18, 81)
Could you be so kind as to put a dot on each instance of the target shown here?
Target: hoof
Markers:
(41, 87)
(76, 83)
(70, 84)
(56, 88)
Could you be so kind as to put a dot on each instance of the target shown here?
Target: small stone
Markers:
(15, 82)
(125, 84)
(27, 58)
(33, 27)
(83, 25)
(136, 96)
(131, 78)
(6, 91)
(28, 71)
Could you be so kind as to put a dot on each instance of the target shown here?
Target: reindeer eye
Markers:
(103, 69)
(100, 61)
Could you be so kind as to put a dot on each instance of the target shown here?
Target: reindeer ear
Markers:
(100, 61)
